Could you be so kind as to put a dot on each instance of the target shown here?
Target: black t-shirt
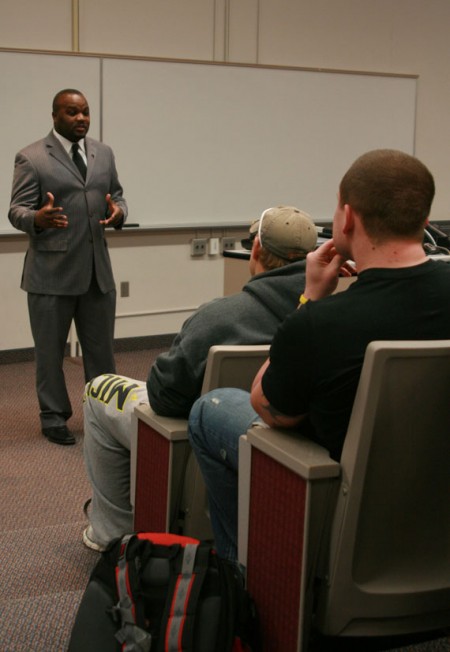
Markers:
(317, 353)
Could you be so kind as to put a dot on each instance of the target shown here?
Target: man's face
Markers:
(71, 118)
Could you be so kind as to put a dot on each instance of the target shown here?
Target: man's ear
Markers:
(349, 219)
(256, 249)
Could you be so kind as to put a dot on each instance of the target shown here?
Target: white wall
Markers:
(405, 36)
(15, 330)
(166, 283)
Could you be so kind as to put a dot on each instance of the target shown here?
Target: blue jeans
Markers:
(216, 422)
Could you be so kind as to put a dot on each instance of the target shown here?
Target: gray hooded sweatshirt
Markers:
(249, 317)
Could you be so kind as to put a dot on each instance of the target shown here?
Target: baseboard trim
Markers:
(143, 343)
(121, 345)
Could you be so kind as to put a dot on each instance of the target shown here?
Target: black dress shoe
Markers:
(59, 435)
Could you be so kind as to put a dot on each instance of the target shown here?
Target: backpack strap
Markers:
(190, 561)
(178, 621)
(180, 599)
(132, 637)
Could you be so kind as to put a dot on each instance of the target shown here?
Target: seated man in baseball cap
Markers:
(279, 242)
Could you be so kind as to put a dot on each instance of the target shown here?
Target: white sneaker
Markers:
(89, 541)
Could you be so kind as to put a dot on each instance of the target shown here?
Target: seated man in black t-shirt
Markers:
(316, 356)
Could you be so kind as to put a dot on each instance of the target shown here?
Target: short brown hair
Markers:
(271, 261)
(391, 191)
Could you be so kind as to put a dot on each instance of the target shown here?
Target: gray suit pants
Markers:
(50, 319)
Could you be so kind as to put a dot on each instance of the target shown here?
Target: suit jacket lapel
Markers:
(57, 151)
(91, 155)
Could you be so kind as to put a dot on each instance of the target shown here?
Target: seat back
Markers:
(226, 366)
(388, 563)
(230, 365)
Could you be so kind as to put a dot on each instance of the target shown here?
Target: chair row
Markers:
(359, 547)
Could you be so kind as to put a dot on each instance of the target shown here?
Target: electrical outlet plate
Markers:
(228, 243)
(124, 289)
(198, 247)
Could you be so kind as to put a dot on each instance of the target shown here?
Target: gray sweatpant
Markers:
(108, 406)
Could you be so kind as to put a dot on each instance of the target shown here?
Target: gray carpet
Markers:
(44, 565)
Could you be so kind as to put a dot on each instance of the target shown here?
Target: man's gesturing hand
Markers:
(50, 216)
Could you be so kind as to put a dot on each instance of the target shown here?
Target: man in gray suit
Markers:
(63, 199)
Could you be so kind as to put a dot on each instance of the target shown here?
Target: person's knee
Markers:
(95, 414)
(99, 384)
(209, 407)
(210, 415)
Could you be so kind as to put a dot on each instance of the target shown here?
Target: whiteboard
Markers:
(201, 144)
(216, 144)
(29, 83)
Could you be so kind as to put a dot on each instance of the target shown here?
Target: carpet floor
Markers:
(43, 486)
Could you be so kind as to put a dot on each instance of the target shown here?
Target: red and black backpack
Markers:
(155, 592)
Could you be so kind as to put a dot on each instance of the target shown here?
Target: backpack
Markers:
(164, 593)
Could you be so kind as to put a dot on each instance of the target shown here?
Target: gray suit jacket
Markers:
(62, 261)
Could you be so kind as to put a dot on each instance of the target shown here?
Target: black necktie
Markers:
(78, 159)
